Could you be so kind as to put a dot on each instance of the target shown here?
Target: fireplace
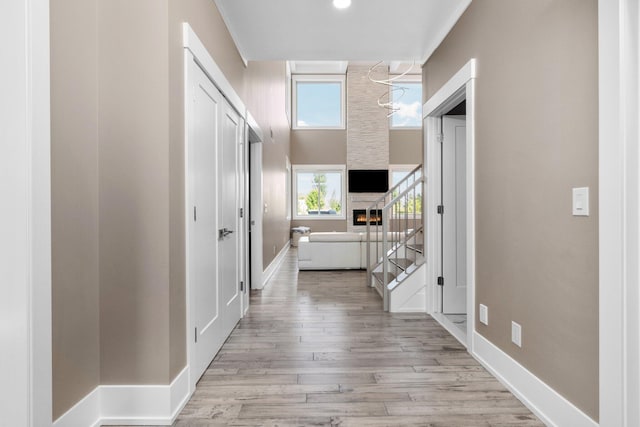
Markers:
(360, 217)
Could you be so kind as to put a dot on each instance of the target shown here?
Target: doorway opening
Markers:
(450, 194)
(453, 238)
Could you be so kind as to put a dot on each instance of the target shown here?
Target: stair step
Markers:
(402, 263)
(416, 247)
(379, 276)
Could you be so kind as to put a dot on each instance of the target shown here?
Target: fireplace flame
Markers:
(360, 217)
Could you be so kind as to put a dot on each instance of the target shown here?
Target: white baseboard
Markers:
(553, 409)
(273, 266)
(84, 413)
(130, 405)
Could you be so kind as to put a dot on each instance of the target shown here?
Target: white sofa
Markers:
(336, 250)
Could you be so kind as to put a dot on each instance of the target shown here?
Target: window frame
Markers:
(342, 169)
(409, 78)
(317, 78)
(400, 167)
(405, 168)
(288, 187)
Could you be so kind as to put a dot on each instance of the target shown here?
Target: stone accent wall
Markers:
(367, 131)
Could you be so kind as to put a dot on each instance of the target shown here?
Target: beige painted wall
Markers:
(405, 146)
(265, 98)
(319, 147)
(536, 138)
(74, 197)
(134, 191)
(118, 184)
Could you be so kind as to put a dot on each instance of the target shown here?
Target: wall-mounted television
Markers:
(368, 180)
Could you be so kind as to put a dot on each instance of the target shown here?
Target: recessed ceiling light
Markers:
(341, 4)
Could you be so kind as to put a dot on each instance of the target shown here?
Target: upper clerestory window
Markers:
(318, 101)
(406, 98)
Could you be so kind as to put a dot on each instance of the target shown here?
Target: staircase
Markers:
(396, 261)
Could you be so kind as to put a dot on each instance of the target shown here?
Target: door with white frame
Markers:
(206, 309)
(229, 224)
(454, 239)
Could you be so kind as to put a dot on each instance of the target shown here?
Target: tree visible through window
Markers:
(412, 202)
(318, 193)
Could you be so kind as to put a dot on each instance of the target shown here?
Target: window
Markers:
(406, 97)
(413, 201)
(287, 186)
(319, 192)
(318, 102)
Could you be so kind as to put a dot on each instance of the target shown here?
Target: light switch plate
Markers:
(581, 201)
(516, 334)
(484, 314)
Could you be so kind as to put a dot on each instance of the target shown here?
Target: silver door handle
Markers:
(224, 232)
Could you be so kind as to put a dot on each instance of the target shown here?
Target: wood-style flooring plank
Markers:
(316, 349)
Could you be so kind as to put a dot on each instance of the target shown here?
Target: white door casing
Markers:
(25, 217)
(454, 239)
(460, 87)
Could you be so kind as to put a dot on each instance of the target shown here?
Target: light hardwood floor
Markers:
(317, 349)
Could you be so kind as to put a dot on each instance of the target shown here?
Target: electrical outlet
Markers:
(516, 334)
(484, 314)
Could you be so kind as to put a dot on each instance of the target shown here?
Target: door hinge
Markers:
(440, 209)
(194, 214)
(241, 286)
(440, 281)
(241, 212)
(440, 138)
(196, 334)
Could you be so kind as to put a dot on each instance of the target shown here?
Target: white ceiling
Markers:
(313, 30)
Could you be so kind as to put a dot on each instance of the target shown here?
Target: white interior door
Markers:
(454, 239)
(229, 215)
(206, 311)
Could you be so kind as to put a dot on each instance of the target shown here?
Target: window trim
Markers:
(288, 187)
(403, 167)
(400, 167)
(342, 169)
(409, 78)
(317, 78)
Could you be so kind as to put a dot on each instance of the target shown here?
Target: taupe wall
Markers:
(134, 191)
(405, 146)
(319, 147)
(265, 98)
(536, 138)
(118, 184)
(74, 199)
